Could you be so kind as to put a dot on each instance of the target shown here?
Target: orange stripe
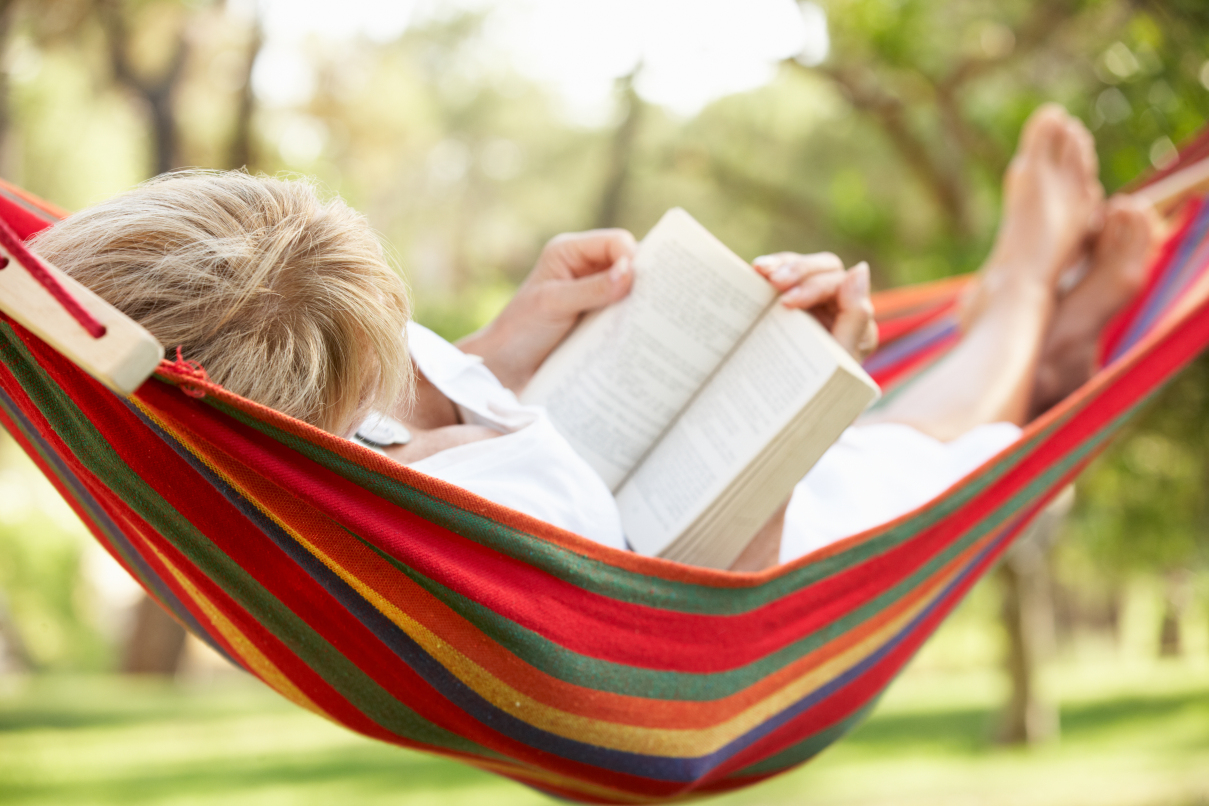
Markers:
(907, 299)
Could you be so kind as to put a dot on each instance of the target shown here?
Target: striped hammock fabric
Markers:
(416, 613)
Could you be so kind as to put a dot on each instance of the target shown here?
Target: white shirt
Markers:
(530, 468)
(872, 475)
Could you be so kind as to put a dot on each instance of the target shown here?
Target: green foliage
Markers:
(1143, 505)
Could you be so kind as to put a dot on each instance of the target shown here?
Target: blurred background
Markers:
(471, 131)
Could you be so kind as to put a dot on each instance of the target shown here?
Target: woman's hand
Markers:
(576, 272)
(820, 285)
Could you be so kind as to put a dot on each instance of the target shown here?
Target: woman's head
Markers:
(284, 298)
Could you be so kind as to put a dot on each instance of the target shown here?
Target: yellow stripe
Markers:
(251, 657)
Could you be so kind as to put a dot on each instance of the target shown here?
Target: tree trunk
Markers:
(620, 154)
(7, 11)
(242, 152)
(13, 654)
(167, 136)
(158, 94)
(1028, 619)
(156, 643)
(1177, 597)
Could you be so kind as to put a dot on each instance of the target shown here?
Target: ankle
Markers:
(1009, 277)
(1039, 259)
(1006, 288)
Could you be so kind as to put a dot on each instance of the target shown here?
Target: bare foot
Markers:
(1119, 260)
(1052, 203)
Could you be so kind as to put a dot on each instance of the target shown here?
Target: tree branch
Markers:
(890, 112)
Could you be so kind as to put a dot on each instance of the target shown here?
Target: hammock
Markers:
(419, 614)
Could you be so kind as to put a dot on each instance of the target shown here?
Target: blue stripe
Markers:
(910, 345)
(1177, 274)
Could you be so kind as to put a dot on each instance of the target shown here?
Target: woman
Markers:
(287, 300)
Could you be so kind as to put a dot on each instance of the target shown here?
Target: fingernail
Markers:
(782, 275)
(764, 262)
(620, 269)
(861, 270)
(792, 297)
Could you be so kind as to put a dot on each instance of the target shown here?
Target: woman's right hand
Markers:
(819, 285)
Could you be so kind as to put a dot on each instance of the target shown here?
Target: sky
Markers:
(692, 51)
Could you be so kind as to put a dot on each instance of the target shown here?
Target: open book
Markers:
(698, 399)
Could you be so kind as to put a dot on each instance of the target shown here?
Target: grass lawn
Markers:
(1131, 734)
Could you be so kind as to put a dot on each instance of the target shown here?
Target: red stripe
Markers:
(907, 368)
(890, 329)
(17, 224)
(24, 221)
(1191, 151)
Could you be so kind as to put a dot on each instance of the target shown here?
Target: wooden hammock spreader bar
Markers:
(120, 354)
(1167, 193)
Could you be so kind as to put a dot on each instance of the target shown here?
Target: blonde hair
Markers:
(284, 298)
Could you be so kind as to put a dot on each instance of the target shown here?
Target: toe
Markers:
(1052, 141)
(1141, 227)
(1131, 232)
(1087, 149)
(1070, 150)
(1039, 128)
(1091, 165)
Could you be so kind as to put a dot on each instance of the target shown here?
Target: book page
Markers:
(617, 382)
(777, 369)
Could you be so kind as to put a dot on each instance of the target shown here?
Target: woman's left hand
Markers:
(820, 285)
(576, 272)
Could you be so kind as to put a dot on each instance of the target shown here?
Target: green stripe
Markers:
(91, 448)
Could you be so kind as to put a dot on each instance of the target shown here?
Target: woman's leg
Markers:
(1051, 198)
(1051, 202)
(1119, 260)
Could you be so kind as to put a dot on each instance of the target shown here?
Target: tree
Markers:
(156, 87)
(621, 151)
(242, 151)
(1028, 618)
